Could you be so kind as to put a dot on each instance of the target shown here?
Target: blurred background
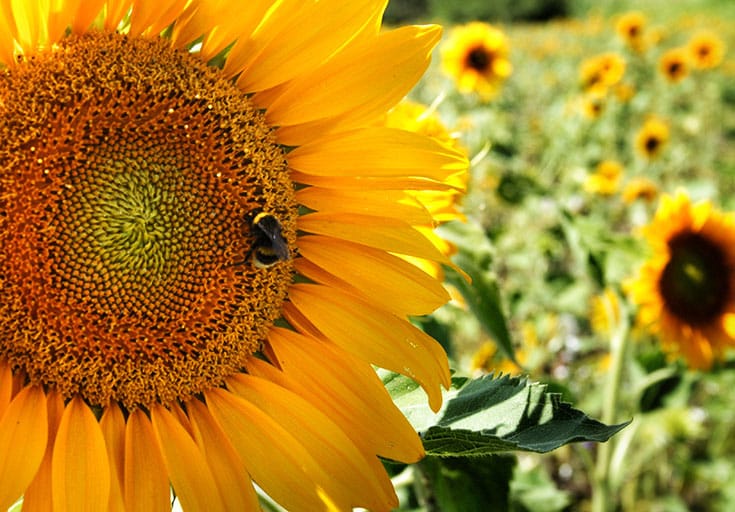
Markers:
(588, 116)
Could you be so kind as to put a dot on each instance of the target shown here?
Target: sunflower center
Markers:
(694, 284)
(652, 144)
(129, 171)
(479, 59)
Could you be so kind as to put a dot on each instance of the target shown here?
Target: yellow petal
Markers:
(146, 482)
(152, 17)
(112, 424)
(393, 152)
(115, 12)
(354, 394)
(346, 89)
(375, 336)
(86, 12)
(403, 288)
(232, 478)
(23, 438)
(272, 456)
(30, 23)
(368, 202)
(353, 182)
(37, 496)
(80, 470)
(221, 22)
(356, 479)
(7, 43)
(286, 48)
(192, 480)
(6, 386)
(386, 233)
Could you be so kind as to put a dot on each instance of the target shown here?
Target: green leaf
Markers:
(533, 489)
(462, 484)
(491, 415)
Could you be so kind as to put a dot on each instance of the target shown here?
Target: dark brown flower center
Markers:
(652, 143)
(127, 173)
(695, 283)
(479, 59)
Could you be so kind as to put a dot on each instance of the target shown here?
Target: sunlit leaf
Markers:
(491, 415)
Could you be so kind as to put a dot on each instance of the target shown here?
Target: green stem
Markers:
(602, 499)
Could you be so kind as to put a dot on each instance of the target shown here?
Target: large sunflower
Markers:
(686, 290)
(200, 239)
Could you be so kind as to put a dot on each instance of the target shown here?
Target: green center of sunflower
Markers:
(694, 283)
(479, 59)
(129, 172)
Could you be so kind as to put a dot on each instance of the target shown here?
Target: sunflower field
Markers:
(599, 231)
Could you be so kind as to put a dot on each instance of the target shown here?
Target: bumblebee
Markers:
(269, 246)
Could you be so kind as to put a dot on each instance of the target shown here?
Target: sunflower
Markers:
(606, 178)
(673, 65)
(599, 73)
(201, 221)
(476, 55)
(593, 103)
(706, 50)
(639, 188)
(652, 137)
(631, 29)
(686, 289)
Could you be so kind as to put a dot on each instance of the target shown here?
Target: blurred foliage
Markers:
(550, 252)
(499, 10)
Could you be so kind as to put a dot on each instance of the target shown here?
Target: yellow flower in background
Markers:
(476, 55)
(593, 104)
(706, 50)
(606, 178)
(442, 205)
(686, 289)
(601, 72)
(487, 359)
(673, 64)
(652, 137)
(160, 215)
(639, 188)
(416, 117)
(631, 29)
(605, 311)
(624, 92)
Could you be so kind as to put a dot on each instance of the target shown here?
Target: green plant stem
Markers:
(602, 499)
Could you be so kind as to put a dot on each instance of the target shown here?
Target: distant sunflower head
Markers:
(605, 180)
(191, 193)
(593, 103)
(674, 65)
(639, 188)
(476, 55)
(706, 50)
(686, 290)
(599, 73)
(631, 29)
(652, 137)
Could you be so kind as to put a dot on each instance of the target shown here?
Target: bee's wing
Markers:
(270, 226)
